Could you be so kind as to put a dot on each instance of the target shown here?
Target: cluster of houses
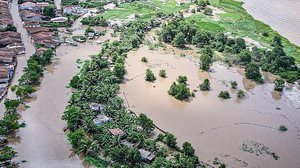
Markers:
(31, 13)
(10, 46)
(101, 118)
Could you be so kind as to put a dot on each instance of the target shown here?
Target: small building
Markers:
(6, 72)
(97, 107)
(74, 10)
(3, 88)
(146, 156)
(3, 140)
(101, 119)
(42, 5)
(91, 35)
(128, 144)
(116, 132)
(29, 6)
(59, 20)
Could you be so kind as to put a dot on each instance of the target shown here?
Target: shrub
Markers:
(233, 84)
(182, 79)
(240, 94)
(282, 128)
(208, 11)
(144, 59)
(279, 85)
(180, 91)
(224, 95)
(162, 73)
(149, 75)
(205, 86)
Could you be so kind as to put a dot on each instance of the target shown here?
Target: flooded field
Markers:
(215, 127)
(282, 15)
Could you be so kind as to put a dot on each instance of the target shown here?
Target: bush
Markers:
(282, 128)
(149, 76)
(233, 84)
(180, 91)
(279, 85)
(253, 72)
(144, 59)
(179, 40)
(240, 94)
(182, 79)
(162, 73)
(224, 95)
(205, 86)
(208, 11)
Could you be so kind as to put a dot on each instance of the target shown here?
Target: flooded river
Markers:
(215, 127)
(282, 15)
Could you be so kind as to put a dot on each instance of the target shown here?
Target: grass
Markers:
(146, 9)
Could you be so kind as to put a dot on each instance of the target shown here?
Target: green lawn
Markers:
(146, 9)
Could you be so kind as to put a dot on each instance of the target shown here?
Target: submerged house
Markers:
(101, 119)
(97, 107)
(146, 156)
(117, 132)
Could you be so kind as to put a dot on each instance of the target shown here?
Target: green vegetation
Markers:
(162, 73)
(149, 76)
(180, 90)
(206, 58)
(98, 83)
(240, 94)
(279, 85)
(32, 74)
(145, 10)
(179, 40)
(282, 128)
(253, 72)
(144, 59)
(94, 21)
(69, 2)
(205, 86)
(224, 95)
(49, 11)
(233, 84)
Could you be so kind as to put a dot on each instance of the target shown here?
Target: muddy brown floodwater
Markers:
(215, 127)
(282, 15)
(42, 143)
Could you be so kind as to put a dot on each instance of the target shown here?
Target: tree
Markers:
(49, 11)
(179, 40)
(206, 58)
(180, 91)
(188, 149)
(233, 84)
(162, 73)
(277, 40)
(119, 70)
(182, 79)
(170, 140)
(89, 30)
(146, 123)
(279, 85)
(240, 94)
(205, 86)
(253, 72)
(244, 57)
(224, 95)
(149, 75)
(11, 103)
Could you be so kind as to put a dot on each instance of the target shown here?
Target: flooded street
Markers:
(282, 15)
(215, 127)
(21, 59)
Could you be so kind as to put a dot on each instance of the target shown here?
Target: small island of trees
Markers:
(180, 89)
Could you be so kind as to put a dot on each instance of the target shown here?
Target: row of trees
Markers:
(98, 83)
(32, 74)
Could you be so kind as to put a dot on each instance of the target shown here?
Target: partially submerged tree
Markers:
(224, 95)
(150, 75)
(279, 85)
(253, 72)
(205, 86)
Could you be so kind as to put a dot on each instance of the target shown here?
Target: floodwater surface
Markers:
(282, 15)
(215, 127)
